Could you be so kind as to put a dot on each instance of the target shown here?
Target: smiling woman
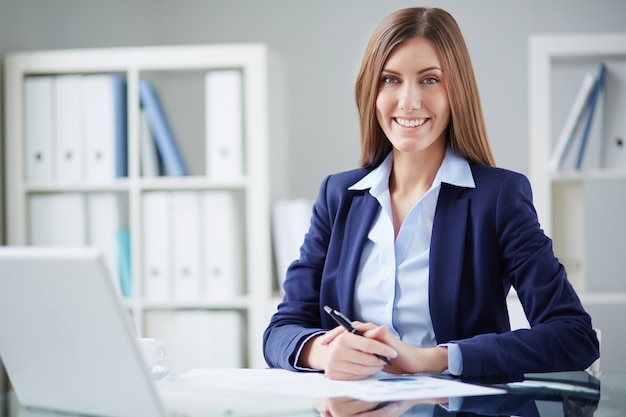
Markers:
(422, 244)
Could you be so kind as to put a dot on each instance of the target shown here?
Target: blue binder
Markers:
(163, 137)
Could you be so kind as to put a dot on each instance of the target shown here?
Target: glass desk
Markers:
(566, 394)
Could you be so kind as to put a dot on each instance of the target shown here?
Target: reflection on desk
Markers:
(537, 395)
(565, 394)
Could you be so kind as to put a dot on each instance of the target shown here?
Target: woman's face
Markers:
(412, 106)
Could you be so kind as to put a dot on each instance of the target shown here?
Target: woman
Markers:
(422, 244)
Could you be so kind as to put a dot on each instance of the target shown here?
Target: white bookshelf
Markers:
(261, 97)
(582, 210)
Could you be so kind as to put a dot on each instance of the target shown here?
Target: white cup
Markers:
(151, 350)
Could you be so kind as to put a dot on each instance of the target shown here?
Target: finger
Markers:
(331, 335)
(375, 342)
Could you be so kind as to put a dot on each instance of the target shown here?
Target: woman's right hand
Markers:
(346, 356)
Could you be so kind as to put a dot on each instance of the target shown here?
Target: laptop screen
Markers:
(67, 343)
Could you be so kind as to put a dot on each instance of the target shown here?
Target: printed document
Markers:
(380, 387)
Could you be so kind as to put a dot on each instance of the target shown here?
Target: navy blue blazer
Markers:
(484, 240)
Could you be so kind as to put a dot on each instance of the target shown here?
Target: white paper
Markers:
(381, 387)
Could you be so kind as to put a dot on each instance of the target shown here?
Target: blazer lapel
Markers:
(361, 212)
(446, 261)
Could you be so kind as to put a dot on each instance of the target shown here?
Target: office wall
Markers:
(321, 43)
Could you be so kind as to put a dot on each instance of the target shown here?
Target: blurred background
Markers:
(321, 43)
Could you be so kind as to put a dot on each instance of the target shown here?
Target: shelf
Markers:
(582, 211)
(587, 175)
(239, 303)
(242, 200)
(191, 183)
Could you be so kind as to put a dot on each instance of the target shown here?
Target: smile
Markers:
(410, 123)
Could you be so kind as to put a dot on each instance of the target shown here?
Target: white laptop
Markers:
(67, 344)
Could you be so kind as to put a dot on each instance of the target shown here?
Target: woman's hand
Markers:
(346, 356)
(409, 359)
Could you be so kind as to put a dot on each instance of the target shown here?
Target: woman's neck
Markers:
(411, 177)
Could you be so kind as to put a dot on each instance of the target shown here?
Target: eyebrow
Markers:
(423, 70)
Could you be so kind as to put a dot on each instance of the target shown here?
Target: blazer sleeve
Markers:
(561, 337)
(298, 316)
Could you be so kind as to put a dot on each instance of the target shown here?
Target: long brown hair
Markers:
(466, 131)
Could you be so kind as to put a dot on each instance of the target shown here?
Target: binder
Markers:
(121, 125)
(291, 221)
(224, 121)
(224, 252)
(104, 219)
(39, 129)
(156, 233)
(102, 113)
(591, 111)
(575, 116)
(149, 158)
(124, 262)
(57, 220)
(210, 339)
(161, 131)
(68, 105)
(197, 338)
(614, 122)
(185, 245)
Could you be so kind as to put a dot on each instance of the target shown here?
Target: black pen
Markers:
(347, 324)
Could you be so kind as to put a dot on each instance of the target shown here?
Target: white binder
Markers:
(68, 105)
(99, 111)
(185, 242)
(291, 220)
(224, 254)
(224, 121)
(210, 339)
(104, 220)
(198, 338)
(156, 237)
(39, 129)
(57, 219)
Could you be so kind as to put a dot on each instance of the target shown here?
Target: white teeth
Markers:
(410, 123)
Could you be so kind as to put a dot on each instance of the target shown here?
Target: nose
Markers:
(409, 99)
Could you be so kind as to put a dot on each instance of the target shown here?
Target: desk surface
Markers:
(543, 395)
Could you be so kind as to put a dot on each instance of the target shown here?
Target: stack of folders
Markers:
(75, 132)
(84, 219)
(198, 338)
(193, 246)
(583, 118)
(194, 252)
(75, 127)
